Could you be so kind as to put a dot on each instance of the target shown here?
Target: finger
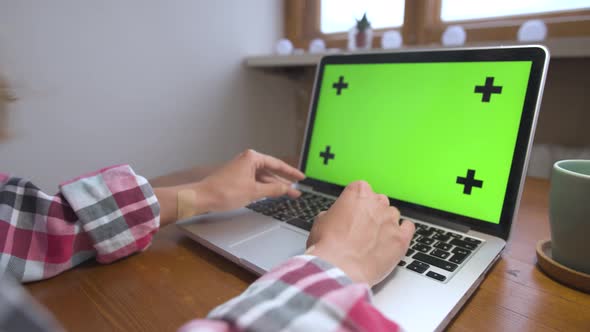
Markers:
(365, 189)
(357, 188)
(269, 176)
(293, 193)
(273, 189)
(265, 178)
(383, 199)
(396, 215)
(387, 215)
(407, 228)
(279, 167)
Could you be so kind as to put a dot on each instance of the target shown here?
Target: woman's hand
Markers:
(248, 177)
(361, 234)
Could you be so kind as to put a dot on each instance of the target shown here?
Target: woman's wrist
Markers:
(337, 258)
(167, 199)
(183, 201)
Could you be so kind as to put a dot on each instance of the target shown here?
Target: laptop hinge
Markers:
(437, 221)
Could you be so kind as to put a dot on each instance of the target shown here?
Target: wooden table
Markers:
(177, 279)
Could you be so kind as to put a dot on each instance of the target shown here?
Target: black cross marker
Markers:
(469, 182)
(340, 85)
(488, 89)
(327, 155)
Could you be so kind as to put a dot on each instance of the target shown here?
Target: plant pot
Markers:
(360, 40)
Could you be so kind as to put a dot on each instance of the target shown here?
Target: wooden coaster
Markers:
(561, 273)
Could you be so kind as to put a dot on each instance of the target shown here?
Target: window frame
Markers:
(423, 25)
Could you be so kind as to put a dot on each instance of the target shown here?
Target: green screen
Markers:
(441, 135)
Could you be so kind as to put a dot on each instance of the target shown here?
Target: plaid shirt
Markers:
(113, 213)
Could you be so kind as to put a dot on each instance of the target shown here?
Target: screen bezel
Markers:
(538, 55)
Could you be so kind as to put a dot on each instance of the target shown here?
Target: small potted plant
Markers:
(361, 36)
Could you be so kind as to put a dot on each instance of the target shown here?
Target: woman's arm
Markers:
(108, 214)
(249, 176)
(306, 293)
(355, 244)
(113, 213)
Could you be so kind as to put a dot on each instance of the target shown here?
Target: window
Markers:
(340, 15)
(422, 22)
(459, 10)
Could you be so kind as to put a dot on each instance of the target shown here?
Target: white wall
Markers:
(158, 84)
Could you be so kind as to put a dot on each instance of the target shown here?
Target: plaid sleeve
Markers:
(303, 294)
(109, 214)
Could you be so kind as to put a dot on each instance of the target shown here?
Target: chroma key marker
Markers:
(469, 182)
(327, 155)
(340, 85)
(488, 89)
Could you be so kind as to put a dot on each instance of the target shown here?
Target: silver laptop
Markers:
(445, 134)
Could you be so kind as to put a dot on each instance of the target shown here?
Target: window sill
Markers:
(578, 47)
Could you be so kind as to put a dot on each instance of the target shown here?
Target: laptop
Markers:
(445, 134)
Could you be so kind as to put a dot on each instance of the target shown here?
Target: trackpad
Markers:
(271, 248)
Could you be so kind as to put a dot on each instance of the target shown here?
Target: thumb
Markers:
(273, 189)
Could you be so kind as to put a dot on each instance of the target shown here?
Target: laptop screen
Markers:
(440, 135)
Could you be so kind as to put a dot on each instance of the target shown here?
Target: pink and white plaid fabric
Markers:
(113, 213)
(303, 294)
(109, 214)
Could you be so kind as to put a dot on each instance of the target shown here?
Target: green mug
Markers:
(569, 214)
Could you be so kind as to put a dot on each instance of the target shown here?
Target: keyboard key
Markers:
(455, 235)
(461, 243)
(461, 251)
(410, 252)
(436, 276)
(443, 246)
(458, 258)
(423, 231)
(441, 237)
(421, 247)
(472, 240)
(440, 254)
(401, 263)
(303, 224)
(425, 240)
(418, 266)
(436, 262)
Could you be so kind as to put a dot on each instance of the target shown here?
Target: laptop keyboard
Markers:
(438, 253)
(434, 252)
(298, 212)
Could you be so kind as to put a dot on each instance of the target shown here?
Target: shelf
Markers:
(559, 48)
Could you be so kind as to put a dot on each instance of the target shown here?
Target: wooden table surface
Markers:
(176, 280)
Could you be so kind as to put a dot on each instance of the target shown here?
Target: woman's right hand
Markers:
(361, 234)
